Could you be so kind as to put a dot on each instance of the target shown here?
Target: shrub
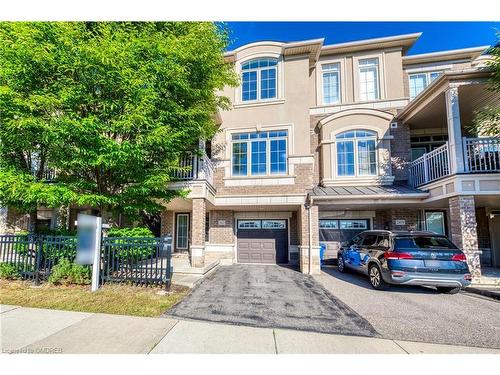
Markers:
(137, 248)
(9, 271)
(66, 272)
(130, 232)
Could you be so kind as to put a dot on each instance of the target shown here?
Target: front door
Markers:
(182, 232)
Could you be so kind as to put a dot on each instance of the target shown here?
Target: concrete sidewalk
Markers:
(30, 330)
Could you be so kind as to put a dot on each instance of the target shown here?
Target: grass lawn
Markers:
(111, 298)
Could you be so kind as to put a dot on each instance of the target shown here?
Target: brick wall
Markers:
(221, 233)
(315, 149)
(303, 173)
(198, 217)
(294, 236)
(167, 223)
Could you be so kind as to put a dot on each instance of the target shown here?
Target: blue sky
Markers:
(436, 36)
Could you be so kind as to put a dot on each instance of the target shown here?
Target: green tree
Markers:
(487, 121)
(110, 105)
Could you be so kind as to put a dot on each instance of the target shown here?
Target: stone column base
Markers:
(304, 260)
(197, 255)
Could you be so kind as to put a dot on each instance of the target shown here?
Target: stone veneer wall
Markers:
(400, 151)
(464, 230)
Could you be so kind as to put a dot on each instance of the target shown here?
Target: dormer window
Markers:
(259, 77)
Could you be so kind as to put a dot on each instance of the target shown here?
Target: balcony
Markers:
(481, 155)
(195, 168)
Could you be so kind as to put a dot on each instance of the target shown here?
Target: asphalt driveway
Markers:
(270, 296)
(418, 313)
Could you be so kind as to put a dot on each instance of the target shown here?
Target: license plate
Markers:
(433, 263)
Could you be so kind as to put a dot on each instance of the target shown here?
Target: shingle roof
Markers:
(337, 191)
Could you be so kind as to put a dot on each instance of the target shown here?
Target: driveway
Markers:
(418, 313)
(270, 296)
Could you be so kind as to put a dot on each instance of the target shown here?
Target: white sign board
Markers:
(88, 248)
(221, 223)
(400, 222)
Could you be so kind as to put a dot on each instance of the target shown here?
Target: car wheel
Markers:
(448, 290)
(376, 278)
(341, 264)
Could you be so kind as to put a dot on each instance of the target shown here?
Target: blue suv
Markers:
(406, 258)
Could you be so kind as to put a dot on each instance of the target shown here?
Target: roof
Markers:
(404, 41)
(393, 191)
(456, 54)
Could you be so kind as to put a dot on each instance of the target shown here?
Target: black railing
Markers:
(142, 261)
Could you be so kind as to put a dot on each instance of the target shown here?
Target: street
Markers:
(417, 313)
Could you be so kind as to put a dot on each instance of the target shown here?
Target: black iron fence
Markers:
(142, 260)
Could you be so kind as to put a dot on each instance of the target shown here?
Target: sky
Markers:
(437, 36)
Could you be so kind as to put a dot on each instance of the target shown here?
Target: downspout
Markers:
(309, 223)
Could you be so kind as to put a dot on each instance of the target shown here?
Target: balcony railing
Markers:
(481, 155)
(429, 167)
(195, 168)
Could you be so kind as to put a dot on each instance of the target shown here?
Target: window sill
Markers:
(360, 180)
(259, 103)
(259, 181)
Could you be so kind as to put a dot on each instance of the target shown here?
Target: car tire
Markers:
(448, 290)
(376, 279)
(341, 264)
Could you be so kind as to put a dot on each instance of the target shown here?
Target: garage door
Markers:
(262, 241)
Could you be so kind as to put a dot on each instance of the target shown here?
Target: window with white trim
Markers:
(331, 83)
(259, 153)
(249, 224)
(356, 153)
(273, 224)
(369, 79)
(419, 81)
(259, 79)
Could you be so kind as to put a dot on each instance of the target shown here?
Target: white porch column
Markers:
(457, 164)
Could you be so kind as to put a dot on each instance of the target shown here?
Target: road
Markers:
(418, 313)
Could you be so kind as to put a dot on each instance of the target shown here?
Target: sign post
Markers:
(88, 249)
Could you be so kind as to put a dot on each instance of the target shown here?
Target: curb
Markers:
(495, 294)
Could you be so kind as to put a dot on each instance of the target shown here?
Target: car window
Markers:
(423, 242)
(370, 240)
(383, 241)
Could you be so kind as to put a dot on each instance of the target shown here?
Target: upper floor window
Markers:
(258, 78)
(368, 79)
(418, 82)
(356, 153)
(331, 83)
(259, 153)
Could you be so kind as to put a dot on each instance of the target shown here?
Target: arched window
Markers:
(259, 79)
(356, 153)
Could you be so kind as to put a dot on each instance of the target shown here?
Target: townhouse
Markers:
(325, 141)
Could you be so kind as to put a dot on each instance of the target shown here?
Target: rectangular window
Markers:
(418, 82)
(268, 83)
(434, 222)
(240, 159)
(249, 89)
(345, 158)
(328, 224)
(353, 224)
(367, 165)
(265, 152)
(331, 83)
(273, 224)
(249, 224)
(368, 79)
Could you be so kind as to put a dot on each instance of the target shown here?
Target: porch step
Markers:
(183, 267)
(487, 281)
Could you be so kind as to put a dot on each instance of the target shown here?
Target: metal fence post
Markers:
(167, 247)
(38, 257)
